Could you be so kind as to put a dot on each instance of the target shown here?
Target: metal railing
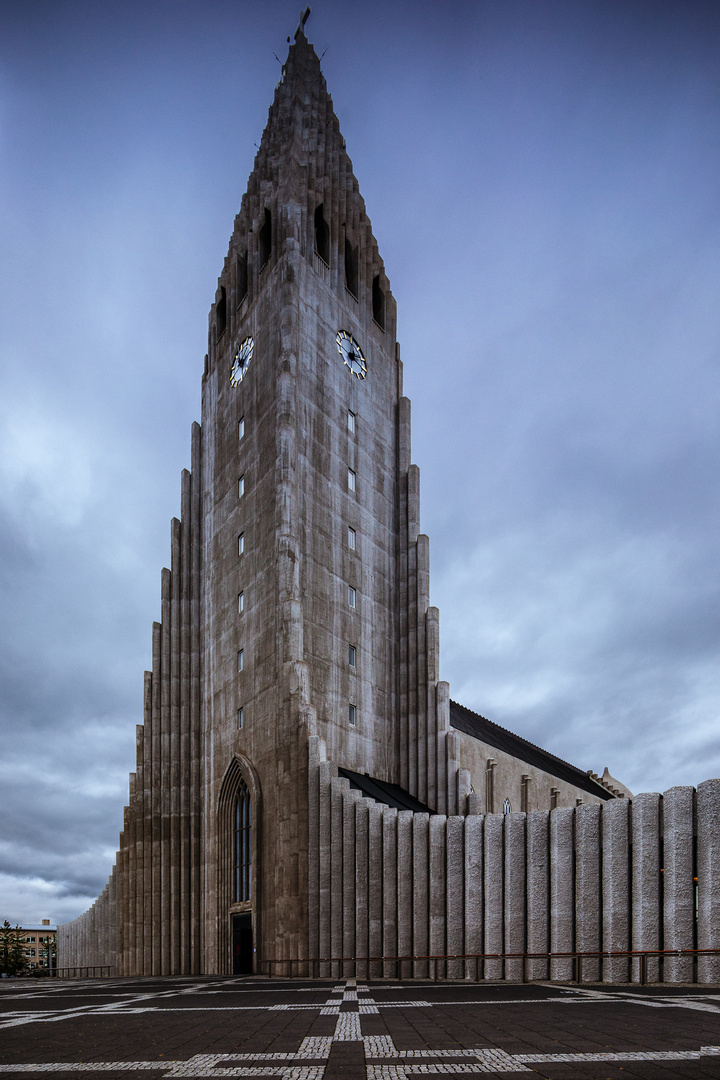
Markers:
(436, 966)
(94, 971)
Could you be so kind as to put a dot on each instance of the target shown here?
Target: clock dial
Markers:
(351, 353)
(241, 361)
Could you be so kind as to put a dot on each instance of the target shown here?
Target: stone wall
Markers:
(616, 876)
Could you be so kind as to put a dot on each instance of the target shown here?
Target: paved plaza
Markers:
(301, 1030)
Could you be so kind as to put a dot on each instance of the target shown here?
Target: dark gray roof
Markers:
(486, 731)
(381, 791)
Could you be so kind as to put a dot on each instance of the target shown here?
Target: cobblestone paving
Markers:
(356, 1030)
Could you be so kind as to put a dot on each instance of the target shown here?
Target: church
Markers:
(305, 788)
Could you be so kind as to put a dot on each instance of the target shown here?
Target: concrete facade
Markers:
(296, 638)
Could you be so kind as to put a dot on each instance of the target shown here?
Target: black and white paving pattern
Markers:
(299, 1030)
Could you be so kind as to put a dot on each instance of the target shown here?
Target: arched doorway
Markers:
(238, 907)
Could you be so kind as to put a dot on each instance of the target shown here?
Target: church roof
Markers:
(478, 727)
(381, 791)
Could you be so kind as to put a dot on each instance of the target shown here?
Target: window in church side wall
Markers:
(525, 793)
(241, 486)
(351, 655)
(242, 847)
(507, 808)
(221, 312)
(490, 786)
(241, 428)
(241, 543)
(351, 421)
(351, 268)
(241, 660)
(241, 602)
(351, 480)
(242, 276)
(351, 538)
(378, 302)
(241, 717)
(265, 239)
(352, 715)
(322, 235)
(351, 596)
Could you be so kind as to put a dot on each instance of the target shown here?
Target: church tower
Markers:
(315, 619)
(304, 789)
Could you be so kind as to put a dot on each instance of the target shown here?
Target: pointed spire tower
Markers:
(335, 648)
(297, 654)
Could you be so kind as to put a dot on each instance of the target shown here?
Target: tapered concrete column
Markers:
(588, 887)
(562, 891)
(493, 881)
(616, 888)
(708, 875)
(405, 889)
(315, 757)
(339, 785)
(538, 891)
(454, 890)
(437, 887)
(645, 832)
(362, 824)
(474, 893)
(515, 886)
(349, 880)
(325, 771)
(389, 890)
(375, 882)
(678, 884)
(420, 863)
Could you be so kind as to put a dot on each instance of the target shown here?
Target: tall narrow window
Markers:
(490, 786)
(241, 543)
(242, 847)
(241, 660)
(351, 268)
(352, 715)
(242, 276)
(351, 421)
(241, 486)
(351, 596)
(351, 655)
(241, 717)
(322, 235)
(241, 428)
(265, 239)
(241, 601)
(378, 302)
(351, 538)
(525, 793)
(221, 312)
(507, 808)
(351, 480)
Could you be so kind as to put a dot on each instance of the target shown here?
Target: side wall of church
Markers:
(496, 776)
(609, 877)
(90, 941)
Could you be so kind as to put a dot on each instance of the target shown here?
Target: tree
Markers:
(48, 952)
(12, 949)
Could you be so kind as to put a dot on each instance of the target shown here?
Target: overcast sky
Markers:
(542, 179)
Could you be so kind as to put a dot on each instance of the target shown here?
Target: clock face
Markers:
(241, 361)
(351, 353)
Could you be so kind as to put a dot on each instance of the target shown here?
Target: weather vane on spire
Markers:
(304, 16)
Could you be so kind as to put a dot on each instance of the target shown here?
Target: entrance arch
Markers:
(238, 822)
